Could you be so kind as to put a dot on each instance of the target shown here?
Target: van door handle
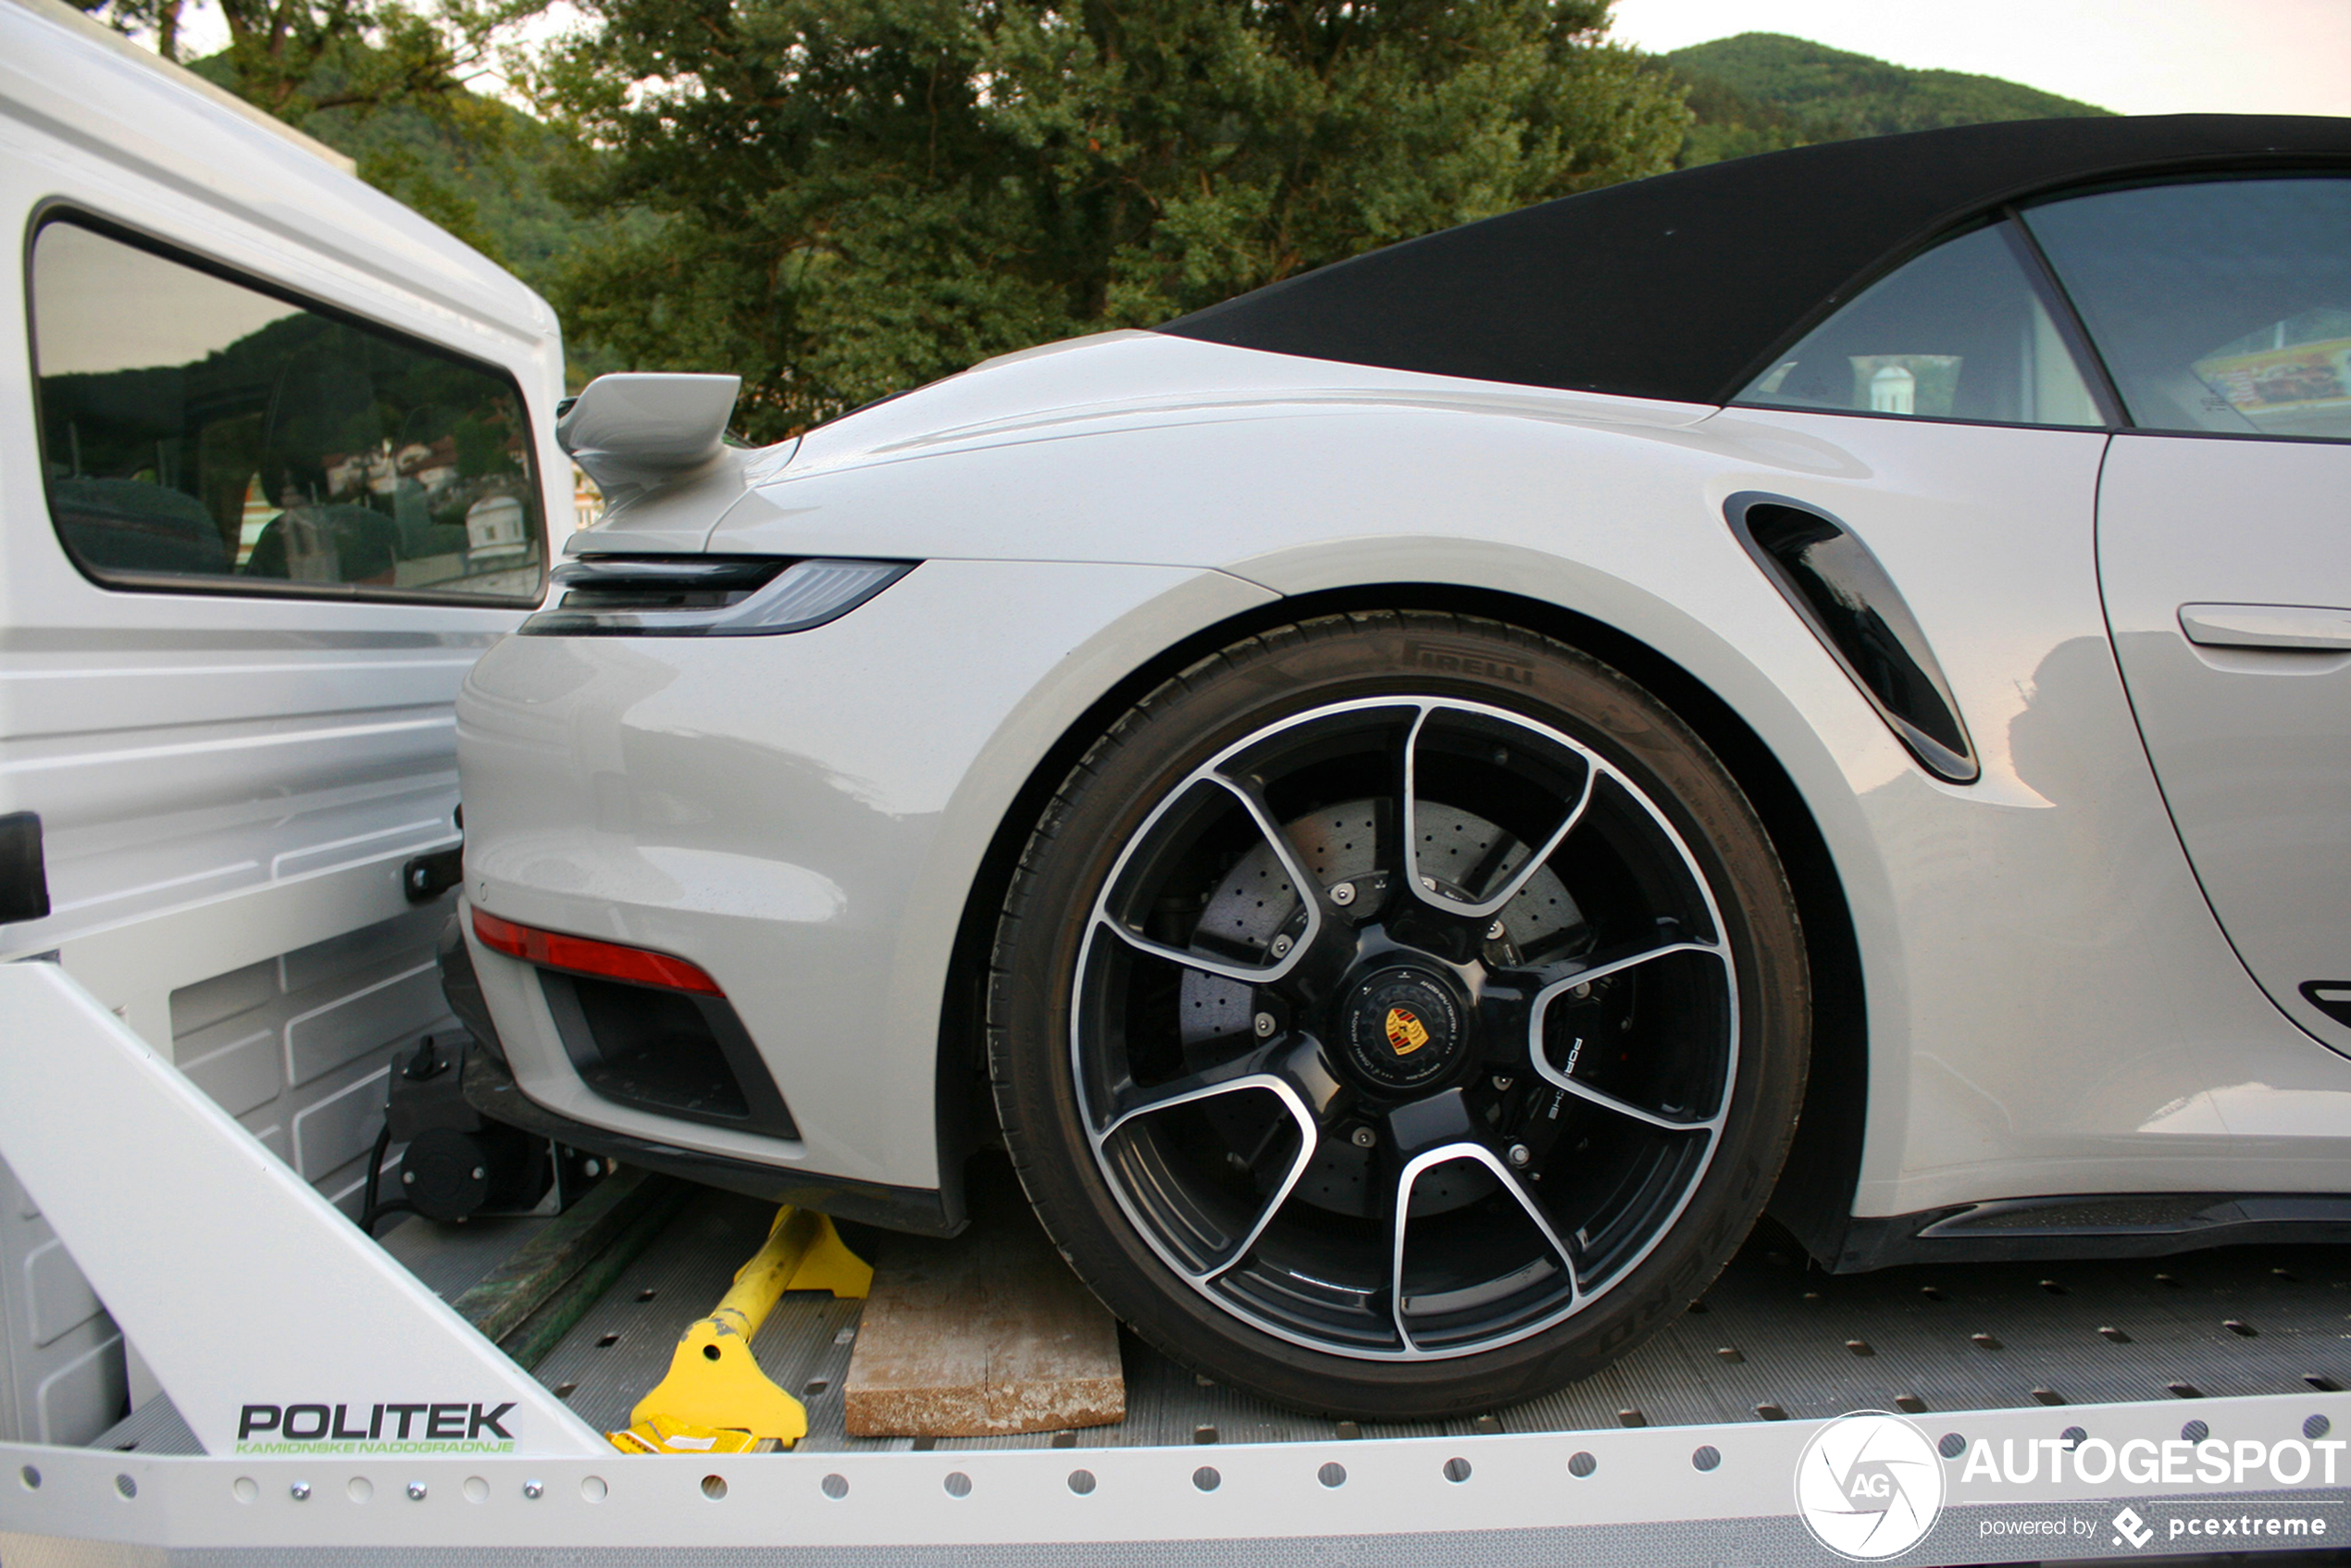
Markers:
(2315, 628)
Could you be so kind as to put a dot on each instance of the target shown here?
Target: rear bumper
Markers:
(490, 1090)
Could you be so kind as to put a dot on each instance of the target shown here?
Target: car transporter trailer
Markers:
(1685, 1453)
(242, 801)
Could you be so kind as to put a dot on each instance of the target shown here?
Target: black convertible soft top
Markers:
(1680, 286)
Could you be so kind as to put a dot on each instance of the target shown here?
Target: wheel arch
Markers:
(1814, 1195)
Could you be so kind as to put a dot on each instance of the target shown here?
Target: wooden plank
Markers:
(983, 1336)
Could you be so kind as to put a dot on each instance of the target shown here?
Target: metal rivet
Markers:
(958, 1484)
(1264, 1026)
(1206, 1478)
(1363, 1138)
(1581, 1465)
(1282, 946)
(299, 1491)
(835, 1486)
(1333, 1475)
(1952, 1446)
(1081, 1482)
(1708, 1457)
(1494, 932)
(1520, 1155)
(591, 1168)
(1582, 991)
(2317, 1426)
(1457, 1470)
(480, 1174)
(408, 1179)
(415, 1491)
(534, 1490)
(1343, 894)
(1501, 1085)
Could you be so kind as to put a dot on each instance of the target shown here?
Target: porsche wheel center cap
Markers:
(1401, 1029)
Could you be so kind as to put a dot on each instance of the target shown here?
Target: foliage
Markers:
(1762, 91)
(330, 68)
(858, 196)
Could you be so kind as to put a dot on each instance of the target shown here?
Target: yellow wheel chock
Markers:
(716, 1399)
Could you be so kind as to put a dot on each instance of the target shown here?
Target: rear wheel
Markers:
(1399, 1015)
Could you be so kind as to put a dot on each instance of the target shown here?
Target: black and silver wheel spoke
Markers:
(1426, 888)
(1290, 1069)
(1438, 1132)
(1253, 803)
(1568, 977)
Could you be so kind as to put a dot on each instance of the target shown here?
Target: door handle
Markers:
(2308, 627)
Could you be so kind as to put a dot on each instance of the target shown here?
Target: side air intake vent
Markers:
(1853, 607)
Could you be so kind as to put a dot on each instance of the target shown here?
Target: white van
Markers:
(276, 465)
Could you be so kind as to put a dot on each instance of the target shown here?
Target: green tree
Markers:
(332, 68)
(854, 196)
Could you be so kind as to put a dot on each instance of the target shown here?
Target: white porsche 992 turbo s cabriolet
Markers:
(1419, 799)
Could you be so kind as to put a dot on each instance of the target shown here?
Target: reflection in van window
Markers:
(194, 428)
(1956, 333)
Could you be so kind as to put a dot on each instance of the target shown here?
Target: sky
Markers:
(2137, 57)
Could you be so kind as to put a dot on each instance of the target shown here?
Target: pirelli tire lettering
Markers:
(425, 1427)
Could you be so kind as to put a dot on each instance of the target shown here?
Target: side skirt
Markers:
(2102, 1226)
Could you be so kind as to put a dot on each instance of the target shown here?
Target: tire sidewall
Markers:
(1259, 684)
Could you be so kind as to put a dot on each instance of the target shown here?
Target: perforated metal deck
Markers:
(1775, 1339)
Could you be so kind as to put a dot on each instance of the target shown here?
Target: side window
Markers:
(199, 433)
(1956, 333)
(2221, 306)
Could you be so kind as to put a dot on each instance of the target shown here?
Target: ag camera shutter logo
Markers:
(1869, 1486)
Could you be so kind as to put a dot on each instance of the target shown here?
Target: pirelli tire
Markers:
(1399, 1015)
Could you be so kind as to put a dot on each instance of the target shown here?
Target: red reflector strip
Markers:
(585, 955)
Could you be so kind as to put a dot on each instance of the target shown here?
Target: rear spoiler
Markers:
(656, 445)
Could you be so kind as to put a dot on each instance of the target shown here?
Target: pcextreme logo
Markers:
(1869, 1484)
(425, 1427)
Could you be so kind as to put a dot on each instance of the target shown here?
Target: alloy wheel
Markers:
(1404, 1028)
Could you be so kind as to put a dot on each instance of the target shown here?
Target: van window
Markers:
(2221, 306)
(202, 434)
(1956, 333)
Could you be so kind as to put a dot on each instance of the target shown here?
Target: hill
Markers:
(1762, 91)
(480, 174)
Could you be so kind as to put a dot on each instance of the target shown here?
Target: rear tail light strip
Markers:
(585, 955)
